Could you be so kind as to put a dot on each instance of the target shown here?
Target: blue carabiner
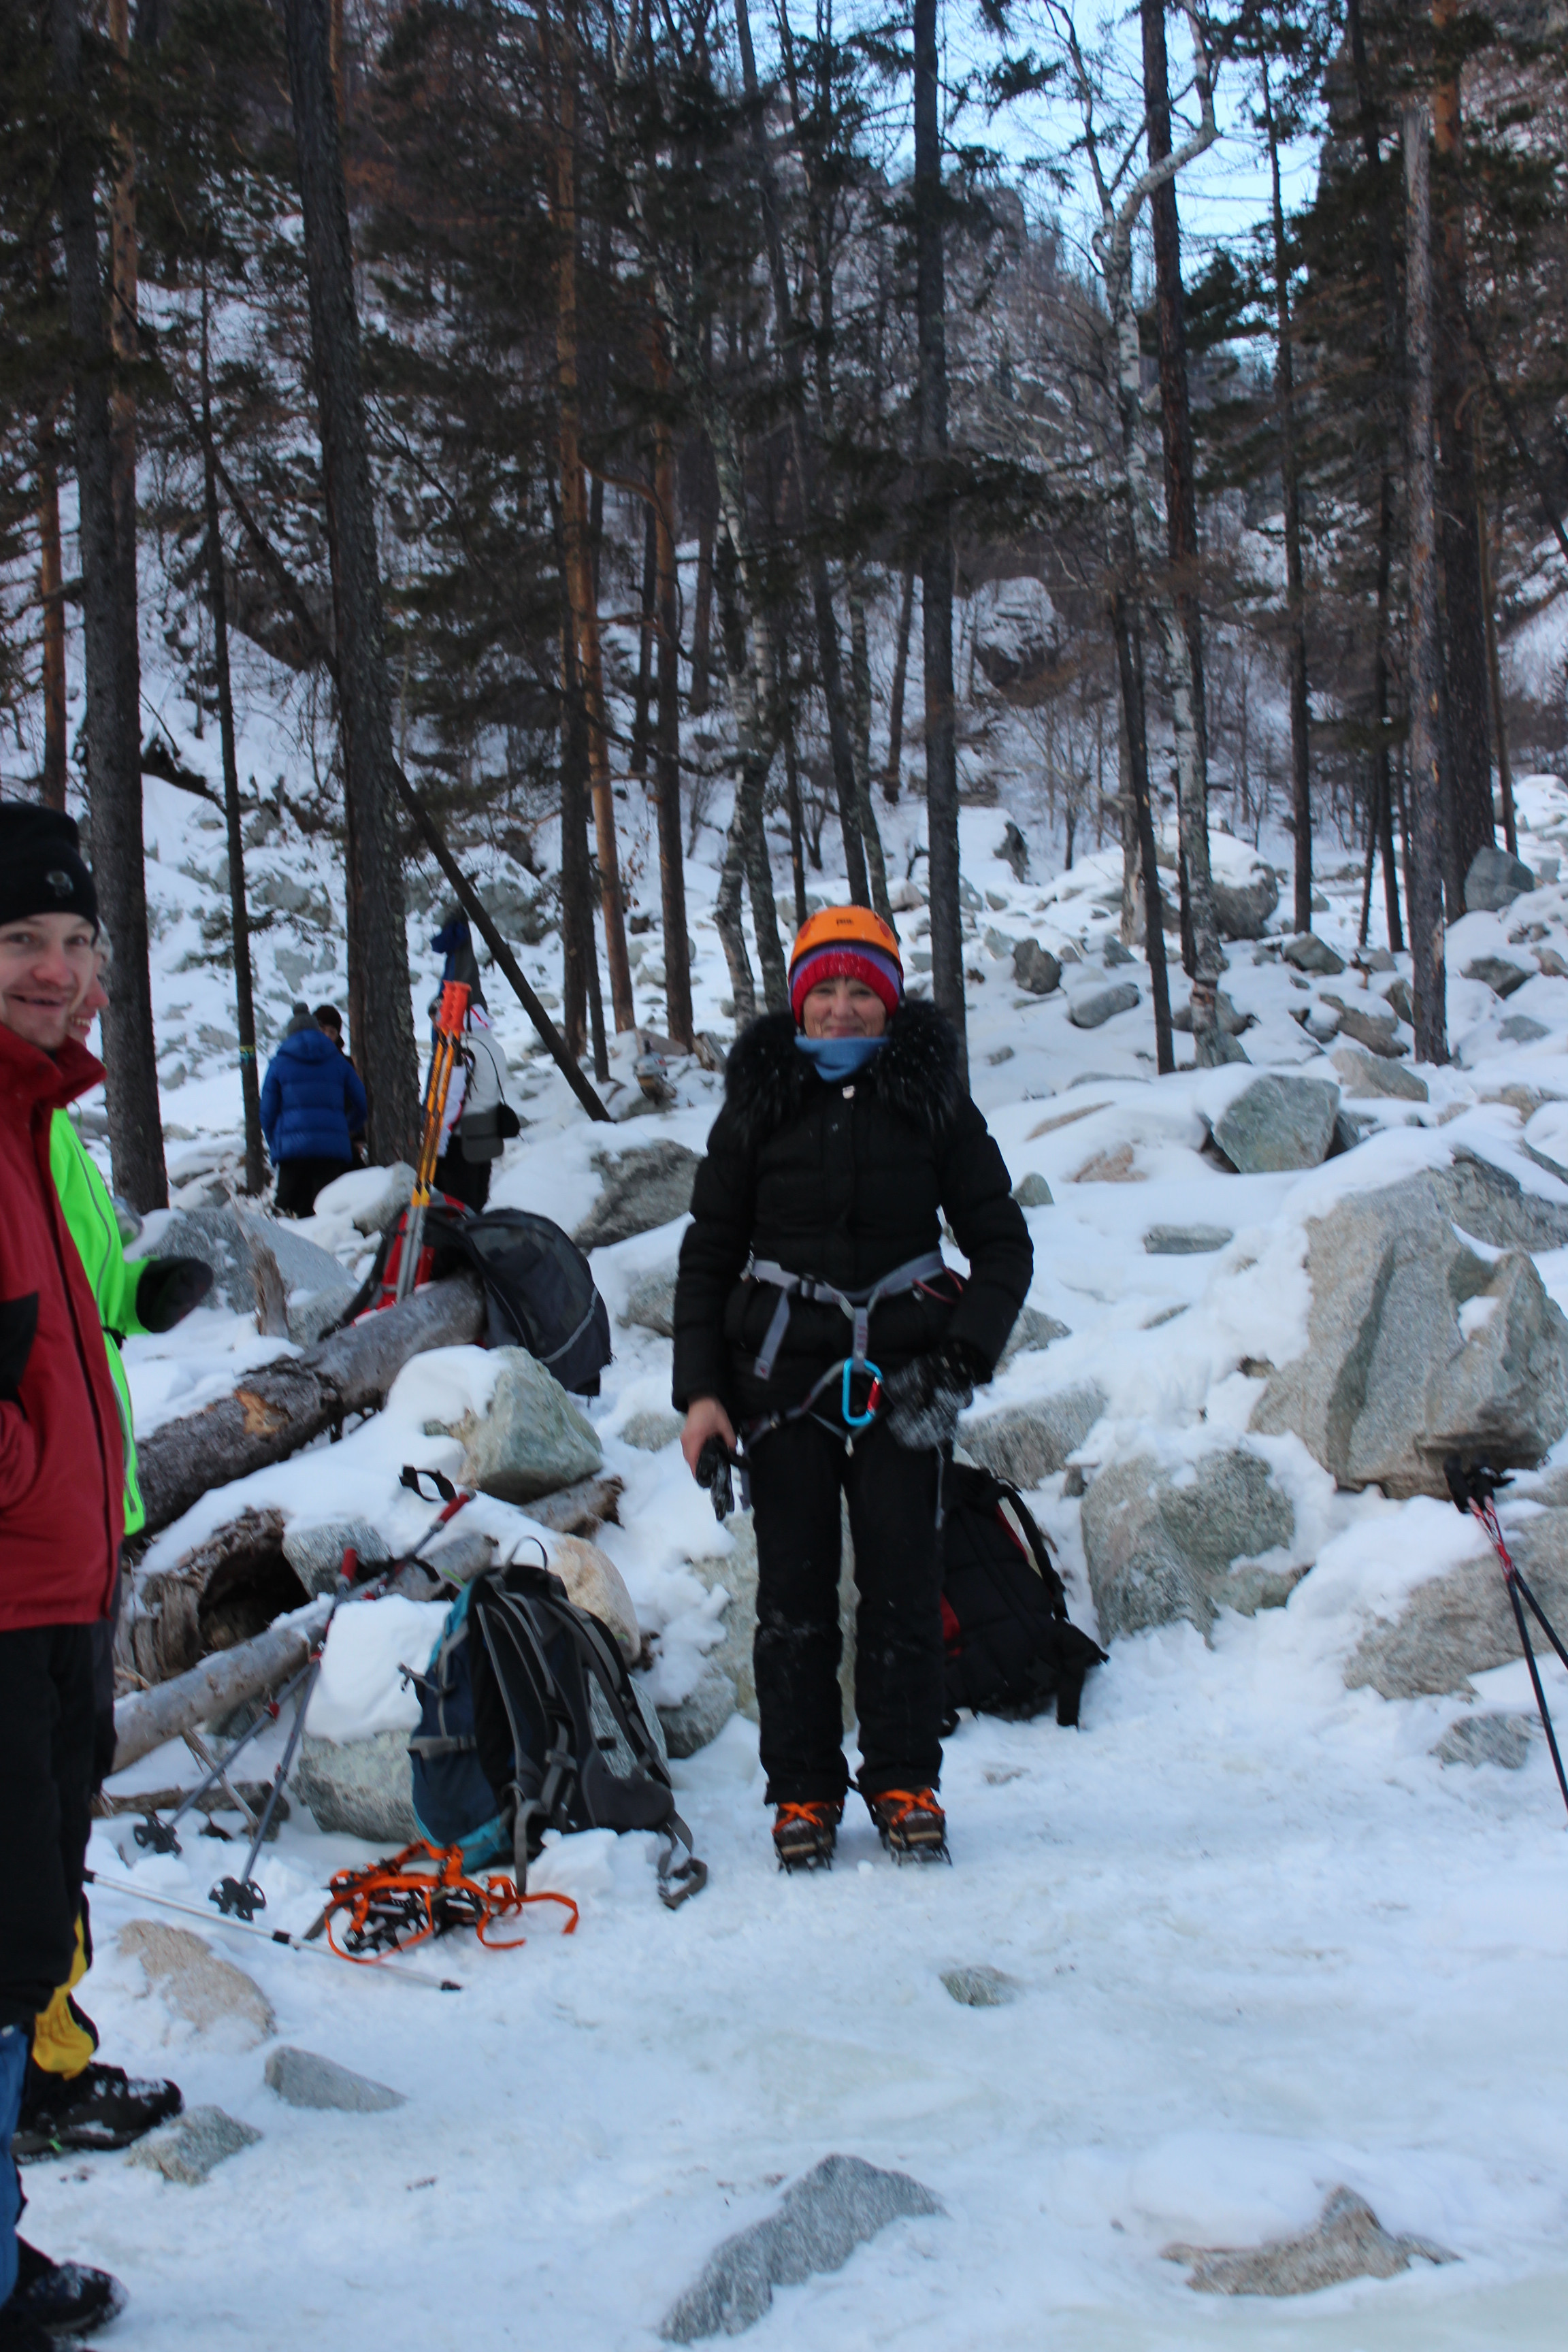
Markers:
(873, 1394)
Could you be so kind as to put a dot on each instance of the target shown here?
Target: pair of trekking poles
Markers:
(1474, 1488)
(240, 1897)
(451, 1020)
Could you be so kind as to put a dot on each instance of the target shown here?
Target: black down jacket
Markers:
(845, 1182)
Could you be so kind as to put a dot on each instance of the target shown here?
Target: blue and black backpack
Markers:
(529, 1721)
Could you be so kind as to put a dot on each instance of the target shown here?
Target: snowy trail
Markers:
(1263, 1945)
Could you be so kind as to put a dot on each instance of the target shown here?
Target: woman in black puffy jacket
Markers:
(846, 1136)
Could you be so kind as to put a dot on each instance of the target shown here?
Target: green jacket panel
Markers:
(95, 1229)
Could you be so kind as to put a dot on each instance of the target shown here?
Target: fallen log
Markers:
(145, 1720)
(283, 1406)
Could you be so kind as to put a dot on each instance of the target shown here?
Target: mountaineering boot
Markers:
(59, 2298)
(911, 1823)
(805, 1835)
(18, 2334)
(101, 2107)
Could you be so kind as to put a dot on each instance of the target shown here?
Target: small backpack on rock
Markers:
(1012, 1648)
(529, 1721)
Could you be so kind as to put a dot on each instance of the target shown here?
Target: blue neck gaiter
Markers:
(837, 1058)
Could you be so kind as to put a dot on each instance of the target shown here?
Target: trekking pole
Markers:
(241, 1896)
(159, 1836)
(1472, 1490)
(450, 1023)
(268, 1934)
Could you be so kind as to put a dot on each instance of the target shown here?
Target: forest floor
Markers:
(1263, 1942)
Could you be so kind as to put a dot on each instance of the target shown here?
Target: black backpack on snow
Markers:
(1011, 1647)
(539, 1286)
(529, 1721)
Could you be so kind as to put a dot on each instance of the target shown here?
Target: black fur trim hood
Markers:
(915, 1075)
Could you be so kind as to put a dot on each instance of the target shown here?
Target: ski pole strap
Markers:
(857, 1305)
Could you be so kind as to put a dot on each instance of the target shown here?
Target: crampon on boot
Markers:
(912, 1824)
(805, 1835)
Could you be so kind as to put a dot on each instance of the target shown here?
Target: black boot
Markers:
(59, 2298)
(101, 2107)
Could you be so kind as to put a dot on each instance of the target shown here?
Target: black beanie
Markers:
(42, 871)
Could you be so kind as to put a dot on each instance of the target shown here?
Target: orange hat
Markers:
(846, 942)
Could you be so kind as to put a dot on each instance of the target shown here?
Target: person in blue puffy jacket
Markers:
(312, 1103)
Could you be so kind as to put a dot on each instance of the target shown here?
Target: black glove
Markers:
(19, 1323)
(713, 1466)
(167, 1289)
(923, 1399)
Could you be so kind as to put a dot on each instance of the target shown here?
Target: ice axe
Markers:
(1473, 1487)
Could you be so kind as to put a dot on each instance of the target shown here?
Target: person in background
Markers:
(846, 1135)
(454, 942)
(480, 1119)
(312, 1100)
(71, 2101)
(330, 1021)
(62, 1479)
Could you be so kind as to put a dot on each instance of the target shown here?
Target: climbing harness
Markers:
(420, 1895)
(1473, 1489)
(449, 1024)
(915, 1273)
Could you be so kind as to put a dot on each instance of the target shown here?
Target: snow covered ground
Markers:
(1264, 1942)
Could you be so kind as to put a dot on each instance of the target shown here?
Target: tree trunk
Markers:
(1424, 892)
(746, 648)
(702, 617)
(1184, 644)
(792, 791)
(574, 516)
(647, 633)
(113, 663)
(576, 880)
(239, 915)
(727, 920)
(666, 772)
(283, 1406)
(936, 556)
(1454, 392)
(1295, 583)
(1494, 680)
(1129, 670)
(380, 986)
(145, 1720)
(896, 700)
(52, 603)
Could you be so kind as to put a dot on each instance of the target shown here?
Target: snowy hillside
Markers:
(1262, 1941)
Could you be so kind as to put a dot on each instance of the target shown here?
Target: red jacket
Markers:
(61, 1480)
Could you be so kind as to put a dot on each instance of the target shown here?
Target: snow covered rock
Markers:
(835, 2207)
(1243, 912)
(1495, 880)
(1032, 1329)
(1500, 976)
(594, 1583)
(1309, 953)
(369, 1197)
(643, 1188)
(651, 1432)
(1347, 2242)
(316, 1553)
(1417, 1346)
(210, 1993)
(650, 1303)
(359, 1788)
(1032, 1192)
(1478, 1740)
(1461, 1622)
(1375, 1030)
(190, 2149)
(1279, 1121)
(1186, 1240)
(228, 1240)
(531, 1439)
(1232, 1023)
(1488, 1202)
(302, 2079)
(1027, 1443)
(1161, 1543)
(1035, 969)
(1097, 998)
(1364, 1075)
(691, 1722)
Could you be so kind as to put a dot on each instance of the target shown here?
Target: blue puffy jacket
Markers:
(311, 1100)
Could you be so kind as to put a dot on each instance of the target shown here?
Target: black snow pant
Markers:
(797, 1475)
(300, 1181)
(468, 1181)
(47, 1726)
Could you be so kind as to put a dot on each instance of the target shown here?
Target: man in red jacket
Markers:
(61, 1485)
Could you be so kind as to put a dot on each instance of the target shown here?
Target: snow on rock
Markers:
(215, 1998)
(1461, 1622)
(1389, 1382)
(1278, 1122)
(190, 2150)
(1025, 1443)
(1495, 879)
(643, 1188)
(1349, 2242)
(369, 1197)
(303, 2079)
(315, 1550)
(531, 1439)
(359, 1690)
(363, 1787)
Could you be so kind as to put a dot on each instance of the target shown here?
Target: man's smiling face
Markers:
(48, 963)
